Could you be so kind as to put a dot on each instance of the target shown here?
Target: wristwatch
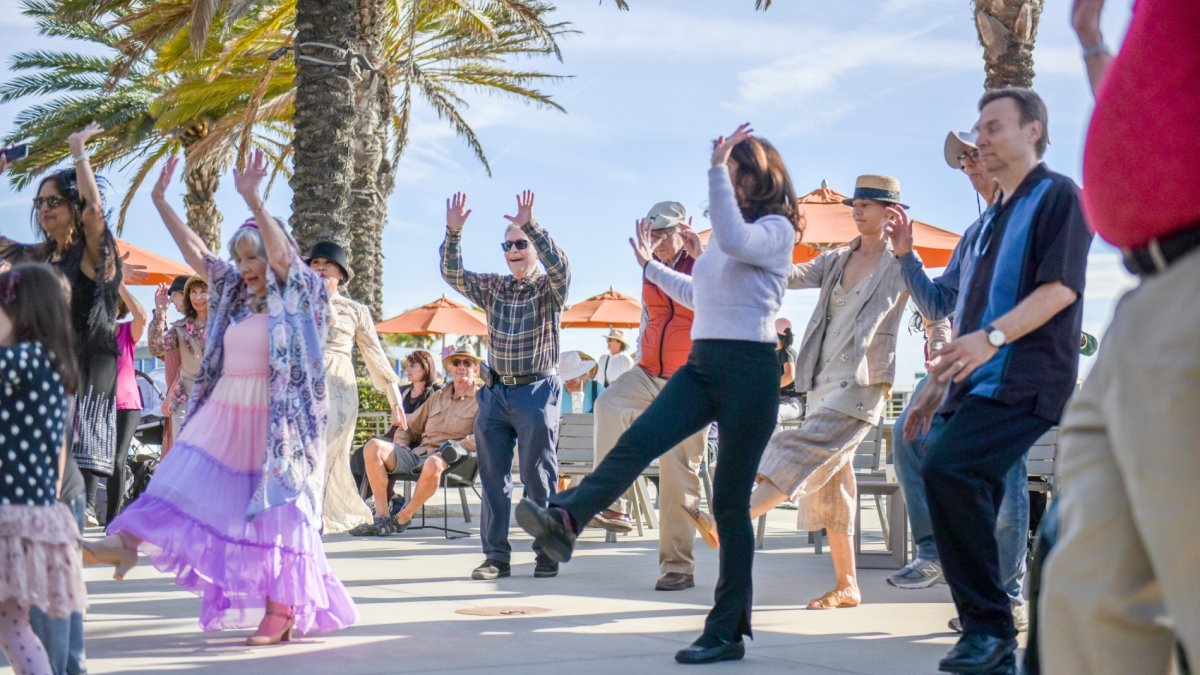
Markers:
(995, 336)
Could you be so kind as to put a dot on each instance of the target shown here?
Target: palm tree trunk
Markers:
(1007, 29)
(324, 123)
(202, 177)
(371, 183)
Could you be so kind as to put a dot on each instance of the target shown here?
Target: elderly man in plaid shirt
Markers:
(519, 402)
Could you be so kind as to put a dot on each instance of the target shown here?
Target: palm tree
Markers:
(1007, 29)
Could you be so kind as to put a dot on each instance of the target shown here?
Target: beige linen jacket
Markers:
(874, 328)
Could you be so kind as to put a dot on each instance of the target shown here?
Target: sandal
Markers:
(381, 527)
(837, 598)
(705, 525)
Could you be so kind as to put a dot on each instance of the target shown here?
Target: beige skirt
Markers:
(814, 466)
(40, 559)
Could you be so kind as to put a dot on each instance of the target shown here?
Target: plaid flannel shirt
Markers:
(524, 315)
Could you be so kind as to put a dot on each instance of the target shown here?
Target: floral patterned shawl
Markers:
(298, 317)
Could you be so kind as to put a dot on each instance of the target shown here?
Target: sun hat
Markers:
(460, 351)
(575, 364)
(665, 215)
(958, 142)
(876, 188)
(332, 252)
(782, 324)
(618, 335)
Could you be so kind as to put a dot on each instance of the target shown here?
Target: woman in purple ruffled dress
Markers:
(234, 511)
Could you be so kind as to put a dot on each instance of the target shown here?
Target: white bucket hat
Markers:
(574, 364)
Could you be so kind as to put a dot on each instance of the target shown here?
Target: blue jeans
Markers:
(63, 637)
(1012, 524)
(525, 416)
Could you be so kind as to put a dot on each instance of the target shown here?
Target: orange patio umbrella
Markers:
(160, 269)
(610, 309)
(440, 317)
(830, 224)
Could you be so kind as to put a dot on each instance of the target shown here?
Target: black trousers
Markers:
(735, 384)
(127, 424)
(965, 465)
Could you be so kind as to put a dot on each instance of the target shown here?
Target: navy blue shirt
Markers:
(1037, 236)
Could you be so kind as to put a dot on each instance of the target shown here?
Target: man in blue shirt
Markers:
(1006, 376)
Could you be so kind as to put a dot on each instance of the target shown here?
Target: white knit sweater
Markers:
(737, 286)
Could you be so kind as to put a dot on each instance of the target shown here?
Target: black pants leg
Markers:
(736, 384)
(964, 470)
(127, 424)
(91, 484)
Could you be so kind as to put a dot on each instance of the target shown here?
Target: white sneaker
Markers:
(920, 573)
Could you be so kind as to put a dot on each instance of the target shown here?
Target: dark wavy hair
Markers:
(786, 339)
(425, 360)
(35, 296)
(764, 186)
(67, 184)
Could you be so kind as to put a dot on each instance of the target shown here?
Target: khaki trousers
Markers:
(679, 469)
(1120, 584)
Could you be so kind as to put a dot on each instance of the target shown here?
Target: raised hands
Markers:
(725, 145)
(162, 295)
(247, 182)
(457, 212)
(643, 250)
(79, 139)
(159, 192)
(899, 230)
(524, 209)
(691, 240)
(132, 273)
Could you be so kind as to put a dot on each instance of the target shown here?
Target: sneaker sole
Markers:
(916, 585)
(529, 521)
(489, 577)
(544, 575)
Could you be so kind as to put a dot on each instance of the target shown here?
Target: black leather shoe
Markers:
(978, 653)
(549, 528)
(545, 568)
(491, 569)
(675, 581)
(723, 651)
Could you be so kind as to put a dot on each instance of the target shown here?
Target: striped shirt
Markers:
(524, 315)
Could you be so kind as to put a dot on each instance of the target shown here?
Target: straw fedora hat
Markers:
(618, 335)
(876, 188)
(460, 352)
(575, 364)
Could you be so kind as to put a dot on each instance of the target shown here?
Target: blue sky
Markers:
(851, 88)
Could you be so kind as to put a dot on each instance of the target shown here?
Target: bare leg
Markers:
(764, 498)
(427, 485)
(845, 592)
(24, 650)
(378, 460)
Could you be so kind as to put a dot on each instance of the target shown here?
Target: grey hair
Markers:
(247, 234)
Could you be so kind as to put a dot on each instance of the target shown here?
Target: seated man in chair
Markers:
(439, 434)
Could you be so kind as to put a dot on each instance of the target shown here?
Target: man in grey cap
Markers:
(664, 342)
(1012, 523)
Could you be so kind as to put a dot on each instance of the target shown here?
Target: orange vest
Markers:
(667, 340)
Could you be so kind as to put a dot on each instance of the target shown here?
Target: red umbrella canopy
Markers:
(831, 223)
(160, 269)
(608, 310)
(440, 317)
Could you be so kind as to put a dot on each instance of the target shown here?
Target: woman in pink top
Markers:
(129, 397)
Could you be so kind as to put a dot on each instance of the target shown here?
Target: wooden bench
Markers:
(1040, 463)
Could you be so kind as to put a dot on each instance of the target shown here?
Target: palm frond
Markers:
(138, 178)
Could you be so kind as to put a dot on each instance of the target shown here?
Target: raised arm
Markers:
(759, 243)
(674, 284)
(469, 284)
(94, 227)
(1085, 18)
(810, 274)
(275, 240)
(136, 310)
(936, 298)
(190, 244)
(550, 255)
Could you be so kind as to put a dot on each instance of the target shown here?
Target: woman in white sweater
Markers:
(732, 377)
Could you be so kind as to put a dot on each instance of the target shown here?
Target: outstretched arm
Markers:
(550, 255)
(469, 284)
(138, 325)
(275, 240)
(190, 244)
(94, 227)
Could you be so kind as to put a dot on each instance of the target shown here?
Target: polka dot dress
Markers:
(32, 418)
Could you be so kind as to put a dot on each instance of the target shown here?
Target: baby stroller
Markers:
(145, 452)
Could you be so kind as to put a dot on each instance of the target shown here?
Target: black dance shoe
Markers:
(550, 529)
(978, 653)
(697, 652)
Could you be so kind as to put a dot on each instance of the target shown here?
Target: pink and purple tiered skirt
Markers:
(192, 518)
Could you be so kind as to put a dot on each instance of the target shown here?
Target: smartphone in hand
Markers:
(15, 152)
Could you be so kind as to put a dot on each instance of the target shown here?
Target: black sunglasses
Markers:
(461, 362)
(521, 245)
(53, 201)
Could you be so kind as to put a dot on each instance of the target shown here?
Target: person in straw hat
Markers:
(578, 373)
(616, 362)
(846, 365)
(448, 417)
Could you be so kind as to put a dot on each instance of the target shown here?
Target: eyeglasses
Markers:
(461, 362)
(972, 154)
(53, 201)
(520, 244)
(656, 235)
